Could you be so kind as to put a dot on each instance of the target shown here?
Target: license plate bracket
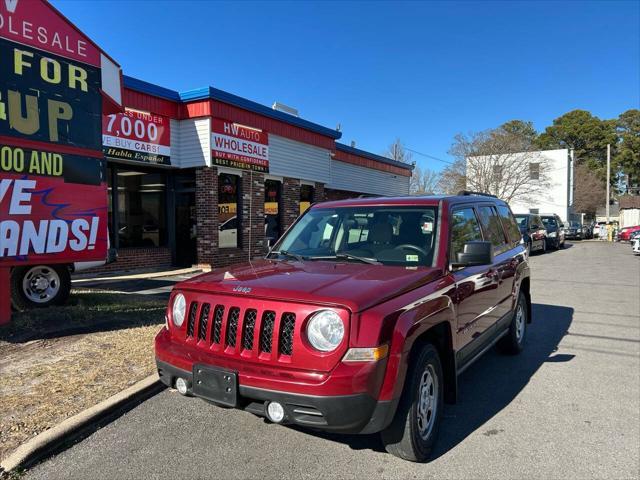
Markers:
(215, 384)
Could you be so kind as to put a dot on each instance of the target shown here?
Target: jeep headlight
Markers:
(325, 330)
(553, 234)
(179, 309)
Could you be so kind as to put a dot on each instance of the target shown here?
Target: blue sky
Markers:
(420, 71)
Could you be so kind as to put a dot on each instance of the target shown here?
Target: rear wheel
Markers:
(39, 286)
(414, 429)
(513, 342)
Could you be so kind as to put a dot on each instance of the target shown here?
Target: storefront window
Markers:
(272, 224)
(306, 197)
(141, 207)
(228, 195)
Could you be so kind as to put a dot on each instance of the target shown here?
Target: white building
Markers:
(553, 168)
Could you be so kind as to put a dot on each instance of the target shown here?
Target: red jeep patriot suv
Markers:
(359, 319)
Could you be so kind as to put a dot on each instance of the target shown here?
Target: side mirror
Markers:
(474, 253)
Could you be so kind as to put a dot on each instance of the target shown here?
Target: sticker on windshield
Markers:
(411, 258)
(427, 227)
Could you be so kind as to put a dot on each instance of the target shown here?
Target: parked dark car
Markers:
(533, 232)
(588, 231)
(575, 231)
(555, 232)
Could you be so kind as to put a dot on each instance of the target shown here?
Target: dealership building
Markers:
(207, 178)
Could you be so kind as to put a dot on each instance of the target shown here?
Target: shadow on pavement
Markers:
(489, 385)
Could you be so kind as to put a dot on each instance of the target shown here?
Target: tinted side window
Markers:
(510, 225)
(492, 228)
(464, 228)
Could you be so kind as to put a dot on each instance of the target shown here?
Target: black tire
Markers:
(513, 342)
(402, 437)
(20, 298)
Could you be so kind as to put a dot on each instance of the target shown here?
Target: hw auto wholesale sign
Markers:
(238, 146)
(53, 199)
(137, 136)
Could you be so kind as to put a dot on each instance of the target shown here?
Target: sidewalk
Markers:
(141, 282)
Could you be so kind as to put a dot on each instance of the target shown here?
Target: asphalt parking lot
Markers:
(568, 407)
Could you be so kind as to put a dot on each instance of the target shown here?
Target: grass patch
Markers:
(59, 361)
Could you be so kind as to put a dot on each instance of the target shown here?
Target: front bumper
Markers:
(357, 413)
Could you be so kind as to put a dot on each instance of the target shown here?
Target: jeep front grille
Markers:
(230, 329)
(247, 329)
(216, 330)
(287, 327)
(266, 331)
(191, 323)
(204, 320)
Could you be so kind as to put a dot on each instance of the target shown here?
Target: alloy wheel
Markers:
(427, 402)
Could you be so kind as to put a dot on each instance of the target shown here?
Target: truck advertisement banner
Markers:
(53, 196)
(36, 24)
(43, 220)
(137, 136)
(239, 146)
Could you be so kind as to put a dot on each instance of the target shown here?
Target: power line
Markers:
(428, 156)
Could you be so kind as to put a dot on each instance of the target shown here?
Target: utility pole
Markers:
(608, 177)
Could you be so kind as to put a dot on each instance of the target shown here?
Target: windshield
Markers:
(388, 235)
(575, 224)
(549, 221)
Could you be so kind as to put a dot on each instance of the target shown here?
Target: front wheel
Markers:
(414, 429)
(39, 286)
(513, 342)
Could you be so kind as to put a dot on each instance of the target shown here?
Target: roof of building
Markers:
(629, 201)
(378, 158)
(225, 97)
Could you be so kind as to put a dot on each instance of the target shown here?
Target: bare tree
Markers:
(590, 190)
(453, 178)
(503, 164)
(423, 182)
(398, 152)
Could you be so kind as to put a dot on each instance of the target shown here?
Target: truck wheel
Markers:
(39, 286)
(414, 428)
(513, 342)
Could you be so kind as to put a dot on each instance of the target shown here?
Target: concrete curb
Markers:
(73, 428)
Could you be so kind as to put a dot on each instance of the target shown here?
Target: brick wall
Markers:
(207, 214)
(332, 194)
(319, 193)
(137, 258)
(290, 202)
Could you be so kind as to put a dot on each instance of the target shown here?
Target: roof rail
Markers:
(470, 192)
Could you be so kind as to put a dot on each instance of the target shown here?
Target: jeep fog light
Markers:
(182, 386)
(325, 330)
(275, 412)
(366, 354)
(179, 309)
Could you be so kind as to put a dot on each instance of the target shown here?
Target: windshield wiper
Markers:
(285, 253)
(348, 256)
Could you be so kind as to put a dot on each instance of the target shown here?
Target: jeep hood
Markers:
(352, 285)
